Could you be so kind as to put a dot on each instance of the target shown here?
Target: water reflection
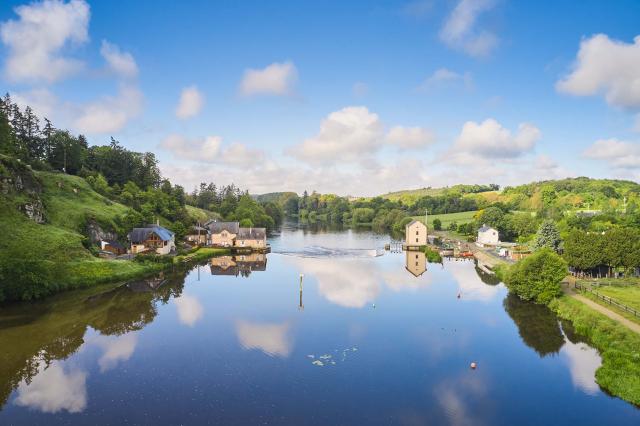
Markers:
(242, 264)
(190, 310)
(471, 288)
(537, 325)
(416, 262)
(53, 389)
(56, 329)
(271, 338)
(583, 360)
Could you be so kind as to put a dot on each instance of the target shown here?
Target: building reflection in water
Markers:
(241, 264)
(416, 262)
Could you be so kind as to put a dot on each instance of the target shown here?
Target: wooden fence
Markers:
(608, 300)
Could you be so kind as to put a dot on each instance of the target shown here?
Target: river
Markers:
(372, 338)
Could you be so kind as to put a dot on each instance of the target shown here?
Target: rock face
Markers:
(96, 234)
(34, 211)
(18, 179)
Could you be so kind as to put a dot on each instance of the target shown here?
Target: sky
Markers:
(355, 98)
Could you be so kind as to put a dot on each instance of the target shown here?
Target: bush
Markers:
(538, 276)
(437, 224)
(433, 256)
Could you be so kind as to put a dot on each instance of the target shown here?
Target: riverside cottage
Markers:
(230, 234)
(152, 238)
(487, 236)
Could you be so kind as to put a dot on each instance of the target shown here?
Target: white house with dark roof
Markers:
(152, 238)
(488, 236)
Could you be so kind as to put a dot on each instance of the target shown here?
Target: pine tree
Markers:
(548, 236)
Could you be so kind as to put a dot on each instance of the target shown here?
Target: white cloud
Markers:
(191, 102)
(410, 137)
(53, 389)
(583, 362)
(271, 338)
(35, 41)
(111, 113)
(210, 150)
(277, 79)
(621, 154)
(350, 134)
(42, 102)
(490, 140)
(116, 349)
(444, 77)
(121, 63)
(460, 29)
(608, 67)
(190, 310)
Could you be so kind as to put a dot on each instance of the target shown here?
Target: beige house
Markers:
(152, 238)
(487, 236)
(198, 235)
(222, 234)
(416, 262)
(251, 237)
(415, 233)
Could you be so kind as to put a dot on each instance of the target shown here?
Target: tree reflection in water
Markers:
(56, 327)
(537, 325)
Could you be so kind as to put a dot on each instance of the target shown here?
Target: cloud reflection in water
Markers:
(271, 338)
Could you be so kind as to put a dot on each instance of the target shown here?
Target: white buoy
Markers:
(474, 365)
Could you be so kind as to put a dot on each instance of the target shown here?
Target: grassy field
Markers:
(619, 347)
(201, 215)
(448, 218)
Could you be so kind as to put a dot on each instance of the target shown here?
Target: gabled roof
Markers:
(486, 228)
(115, 244)
(252, 233)
(139, 235)
(218, 227)
(412, 222)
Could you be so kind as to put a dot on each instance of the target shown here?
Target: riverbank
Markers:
(89, 272)
(619, 347)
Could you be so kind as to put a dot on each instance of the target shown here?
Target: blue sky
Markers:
(349, 97)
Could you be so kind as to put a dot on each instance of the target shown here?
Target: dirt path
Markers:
(569, 291)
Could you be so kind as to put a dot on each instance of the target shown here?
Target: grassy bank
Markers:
(448, 218)
(619, 347)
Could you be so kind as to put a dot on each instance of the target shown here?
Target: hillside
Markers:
(410, 196)
(46, 219)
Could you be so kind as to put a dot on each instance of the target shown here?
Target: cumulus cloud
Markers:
(608, 67)
(210, 150)
(277, 79)
(621, 154)
(53, 389)
(42, 102)
(444, 77)
(121, 63)
(410, 137)
(271, 338)
(350, 134)
(116, 349)
(490, 139)
(36, 39)
(190, 310)
(191, 102)
(110, 113)
(461, 32)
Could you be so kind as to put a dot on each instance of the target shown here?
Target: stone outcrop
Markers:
(95, 233)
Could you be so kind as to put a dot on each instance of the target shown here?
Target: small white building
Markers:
(415, 233)
(488, 236)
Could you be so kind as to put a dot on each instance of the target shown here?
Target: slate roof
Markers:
(252, 233)
(139, 235)
(485, 228)
(115, 244)
(218, 227)
(412, 222)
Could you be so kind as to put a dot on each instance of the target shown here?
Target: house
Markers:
(198, 235)
(416, 262)
(112, 246)
(243, 264)
(222, 234)
(487, 236)
(251, 237)
(415, 233)
(152, 238)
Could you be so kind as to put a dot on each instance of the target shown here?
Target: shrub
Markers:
(433, 256)
(437, 224)
(538, 276)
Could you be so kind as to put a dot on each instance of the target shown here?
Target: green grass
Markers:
(628, 295)
(201, 215)
(448, 218)
(619, 347)
(410, 196)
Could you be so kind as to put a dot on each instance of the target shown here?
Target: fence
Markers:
(608, 300)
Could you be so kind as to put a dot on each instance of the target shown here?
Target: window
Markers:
(417, 232)
(416, 256)
(416, 240)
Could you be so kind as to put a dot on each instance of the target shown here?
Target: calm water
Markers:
(371, 340)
